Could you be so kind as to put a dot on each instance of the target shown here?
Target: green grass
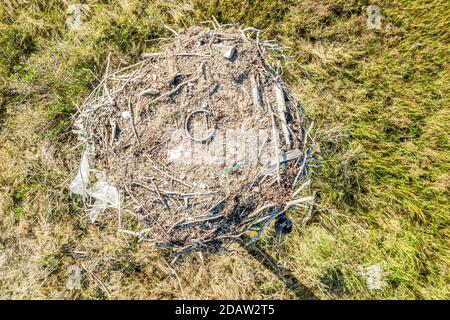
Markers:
(379, 96)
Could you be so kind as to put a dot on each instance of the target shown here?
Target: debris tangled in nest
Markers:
(202, 139)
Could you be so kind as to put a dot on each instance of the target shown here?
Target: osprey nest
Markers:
(202, 142)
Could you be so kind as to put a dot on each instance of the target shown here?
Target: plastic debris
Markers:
(79, 183)
(103, 194)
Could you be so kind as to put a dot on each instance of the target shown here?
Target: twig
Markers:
(159, 194)
(171, 91)
(104, 288)
(174, 193)
(303, 186)
(282, 109)
(194, 194)
(147, 55)
(216, 22)
(171, 30)
(254, 81)
(178, 279)
(187, 54)
(311, 210)
(113, 131)
(275, 141)
(298, 201)
(130, 109)
(171, 177)
(119, 210)
(105, 84)
(300, 170)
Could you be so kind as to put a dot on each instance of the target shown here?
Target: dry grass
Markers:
(380, 96)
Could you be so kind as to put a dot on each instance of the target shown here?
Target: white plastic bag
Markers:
(105, 195)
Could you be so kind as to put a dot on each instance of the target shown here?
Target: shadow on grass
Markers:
(299, 289)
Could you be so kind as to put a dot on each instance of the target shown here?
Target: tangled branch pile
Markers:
(202, 140)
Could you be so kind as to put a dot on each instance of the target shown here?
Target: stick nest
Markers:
(203, 140)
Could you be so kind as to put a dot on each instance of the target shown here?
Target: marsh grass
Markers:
(382, 176)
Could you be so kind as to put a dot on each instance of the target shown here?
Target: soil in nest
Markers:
(191, 135)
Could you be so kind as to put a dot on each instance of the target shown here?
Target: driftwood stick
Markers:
(171, 177)
(256, 93)
(282, 109)
(271, 165)
(171, 30)
(130, 109)
(303, 186)
(187, 54)
(298, 201)
(265, 207)
(159, 194)
(286, 207)
(216, 216)
(105, 83)
(193, 194)
(289, 129)
(171, 91)
(311, 210)
(305, 154)
(216, 23)
(113, 131)
(147, 55)
(127, 81)
(275, 141)
(175, 193)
